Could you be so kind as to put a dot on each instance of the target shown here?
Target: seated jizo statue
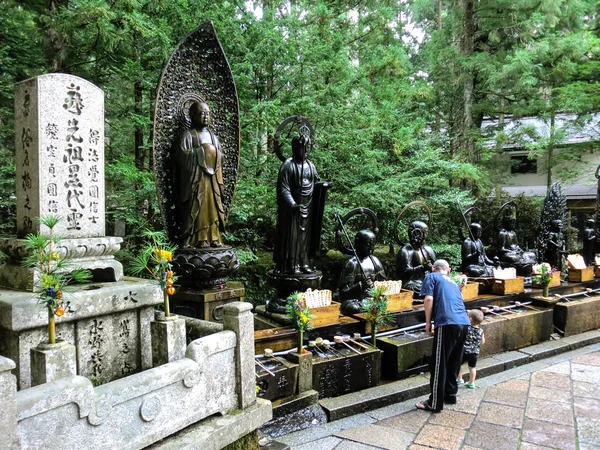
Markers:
(475, 262)
(415, 259)
(509, 251)
(359, 274)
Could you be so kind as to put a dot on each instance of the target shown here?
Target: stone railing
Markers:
(215, 376)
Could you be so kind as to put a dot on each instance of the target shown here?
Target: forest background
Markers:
(397, 92)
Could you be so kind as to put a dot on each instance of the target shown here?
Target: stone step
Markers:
(397, 391)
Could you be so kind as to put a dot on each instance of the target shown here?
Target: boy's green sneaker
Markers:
(459, 381)
(470, 386)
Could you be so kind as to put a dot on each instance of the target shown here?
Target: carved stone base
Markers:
(51, 362)
(286, 284)
(95, 254)
(205, 267)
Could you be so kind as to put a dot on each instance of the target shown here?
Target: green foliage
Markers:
(545, 274)
(375, 307)
(55, 272)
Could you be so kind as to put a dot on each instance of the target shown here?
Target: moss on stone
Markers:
(248, 442)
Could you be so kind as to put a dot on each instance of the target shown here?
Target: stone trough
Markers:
(577, 315)
(408, 353)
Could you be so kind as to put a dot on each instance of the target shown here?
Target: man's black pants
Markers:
(445, 362)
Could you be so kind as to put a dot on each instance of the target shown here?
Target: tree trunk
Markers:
(550, 150)
(139, 132)
(467, 46)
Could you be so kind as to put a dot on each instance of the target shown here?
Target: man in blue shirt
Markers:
(444, 304)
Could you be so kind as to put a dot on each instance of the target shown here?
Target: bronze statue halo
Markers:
(510, 203)
(406, 208)
(470, 211)
(339, 239)
(183, 107)
(304, 128)
(598, 172)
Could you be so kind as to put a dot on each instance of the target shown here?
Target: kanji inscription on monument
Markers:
(59, 134)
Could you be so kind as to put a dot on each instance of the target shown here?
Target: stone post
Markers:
(51, 362)
(237, 317)
(168, 340)
(8, 405)
(304, 362)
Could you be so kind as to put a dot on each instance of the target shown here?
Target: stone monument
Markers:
(415, 259)
(59, 140)
(363, 268)
(59, 128)
(300, 205)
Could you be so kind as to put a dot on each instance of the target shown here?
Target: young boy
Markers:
(473, 341)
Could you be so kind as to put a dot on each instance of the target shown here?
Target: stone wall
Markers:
(216, 376)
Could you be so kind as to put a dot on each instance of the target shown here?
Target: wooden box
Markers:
(206, 304)
(581, 275)
(470, 291)
(511, 286)
(400, 302)
(554, 283)
(325, 315)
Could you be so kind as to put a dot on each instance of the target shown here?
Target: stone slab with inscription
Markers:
(59, 153)
(109, 323)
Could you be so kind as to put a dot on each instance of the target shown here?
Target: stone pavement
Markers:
(551, 403)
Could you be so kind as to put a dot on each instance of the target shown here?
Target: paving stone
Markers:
(508, 416)
(563, 368)
(465, 403)
(584, 446)
(440, 437)
(498, 394)
(325, 430)
(549, 411)
(419, 447)
(328, 443)
(587, 407)
(583, 389)
(557, 395)
(351, 445)
(556, 436)
(525, 376)
(452, 419)
(468, 447)
(589, 374)
(379, 436)
(550, 380)
(529, 446)
(591, 359)
(411, 421)
(515, 385)
(492, 437)
(588, 430)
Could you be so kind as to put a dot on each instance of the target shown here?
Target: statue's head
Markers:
(556, 224)
(417, 233)
(590, 223)
(300, 146)
(199, 114)
(509, 221)
(364, 243)
(476, 230)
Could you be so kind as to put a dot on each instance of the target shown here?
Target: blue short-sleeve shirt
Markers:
(448, 305)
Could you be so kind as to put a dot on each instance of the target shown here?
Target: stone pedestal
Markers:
(206, 304)
(109, 324)
(50, 362)
(8, 405)
(239, 319)
(305, 372)
(168, 340)
(286, 284)
(205, 267)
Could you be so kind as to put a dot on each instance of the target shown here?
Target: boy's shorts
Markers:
(470, 359)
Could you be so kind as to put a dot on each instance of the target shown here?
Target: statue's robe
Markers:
(473, 264)
(352, 287)
(200, 187)
(295, 186)
(409, 265)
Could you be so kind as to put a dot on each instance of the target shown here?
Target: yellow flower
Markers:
(163, 255)
(54, 256)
